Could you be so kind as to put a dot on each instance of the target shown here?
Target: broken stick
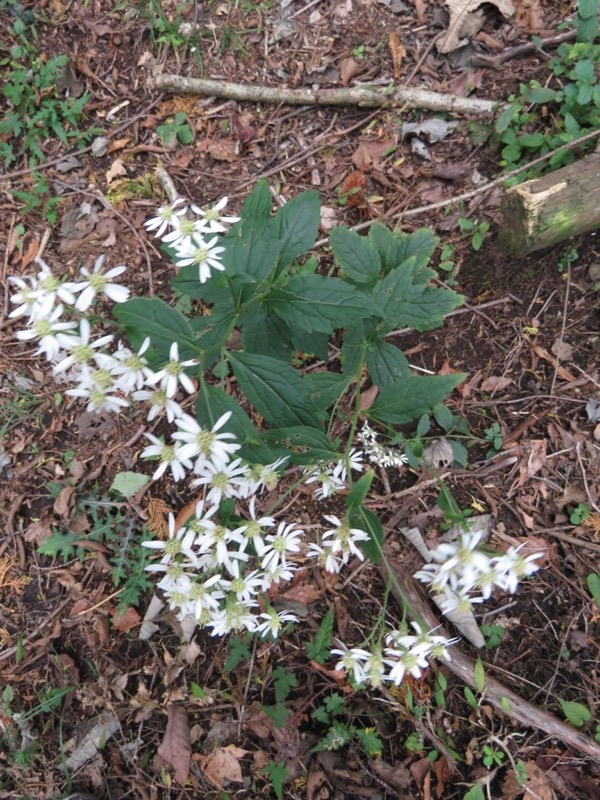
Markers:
(362, 96)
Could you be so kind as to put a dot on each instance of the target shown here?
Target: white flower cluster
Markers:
(375, 452)
(405, 653)
(185, 228)
(459, 569)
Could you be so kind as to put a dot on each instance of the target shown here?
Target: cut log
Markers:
(548, 210)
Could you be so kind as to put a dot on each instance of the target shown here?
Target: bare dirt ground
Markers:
(69, 656)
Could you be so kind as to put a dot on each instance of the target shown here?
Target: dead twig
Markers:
(494, 62)
(361, 96)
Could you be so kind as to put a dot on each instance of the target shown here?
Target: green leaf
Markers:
(475, 793)
(212, 403)
(335, 704)
(386, 364)
(587, 29)
(284, 682)
(238, 652)
(319, 648)
(506, 117)
(413, 397)
(395, 249)
(214, 291)
(540, 94)
(256, 211)
(316, 303)
(59, 544)
(369, 741)
(251, 253)
(506, 706)
(359, 490)
(128, 484)
(277, 773)
(587, 8)
(443, 416)
(277, 713)
(315, 344)
(593, 584)
(354, 348)
(576, 713)
(145, 316)
(405, 302)
(266, 334)
(337, 737)
(368, 521)
(275, 389)
(532, 141)
(479, 675)
(357, 257)
(471, 699)
(304, 445)
(297, 226)
(326, 387)
(460, 453)
(584, 71)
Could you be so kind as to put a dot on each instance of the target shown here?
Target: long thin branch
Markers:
(362, 96)
(496, 693)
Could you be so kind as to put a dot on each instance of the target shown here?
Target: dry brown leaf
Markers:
(495, 383)
(398, 53)
(116, 169)
(420, 9)
(467, 18)
(64, 502)
(443, 772)
(124, 622)
(367, 398)
(117, 144)
(30, 253)
(368, 153)
(38, 531)
(545, 355)
(535, 782)
(528, 16)
(349, 68)
(223, 150)
(223, 764)
(303, 593)
(176, 749)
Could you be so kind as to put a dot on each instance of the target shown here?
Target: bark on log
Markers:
(496, 693)
(363, 96)
(545, 211)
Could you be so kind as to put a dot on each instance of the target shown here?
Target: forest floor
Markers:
(527, 337)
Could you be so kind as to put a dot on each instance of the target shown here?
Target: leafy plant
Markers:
(176, 130)
(491, 756)
(579, 513)
(576, 713)
(447, 265)
(493, 635)
(277, 774)
(593, 584)
(476, 230)
(493, 436)
(539, 119)
(319, 649)
(341, 730)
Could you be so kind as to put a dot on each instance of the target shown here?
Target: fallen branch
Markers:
(495, 692)
(362, 96)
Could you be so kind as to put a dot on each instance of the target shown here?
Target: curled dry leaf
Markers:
(176, 749)
(463, 620)
(222, 766)
(466, 19)
(439, 453)
(495, 383)
(398, 53)
(536, 784)
(349, 68)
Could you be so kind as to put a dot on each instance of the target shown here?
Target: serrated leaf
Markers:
(386, 364)
(354, 348)
(277, 773)
(327, 387)
(359, 490)
(266, 334)
(370, 741)
(316, 303)
(307, 445)
(396, 248)
(479, 675)
(406, 302)
(576, 713)
(59, 544)
(314, 344)
(128, 484)
(319, 648)
(357, 257)
(150, 316)
(413, 397)
(275, 389)
(297, 226)
(337, 737)
(284, 682)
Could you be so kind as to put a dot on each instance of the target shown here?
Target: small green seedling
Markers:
(476, 230)
(579, 513)
(176, 130)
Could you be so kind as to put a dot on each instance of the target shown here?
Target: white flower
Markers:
(216, 540)
(159, 402)
(131, 368)
(245, 586)
(223, 481)
(265, 476)
(180, 542)
(512, 566)
(170, 457)
(206, 445)
(48, 331)
(353, 660)
(235, 616)
(184, 232)
(409, 661)
(354, 459)
(328, 483)
(376, 453)
(273, 621)
(344, 538)
(33, 302)
(204, 255)
(211, 219)
(98, 282)
(326, 557)
(52, 288)
(165, 217)
(254, 527)
(81, 350)
(277, 545)
(173, 373)
(280, 573)
(97, 385)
